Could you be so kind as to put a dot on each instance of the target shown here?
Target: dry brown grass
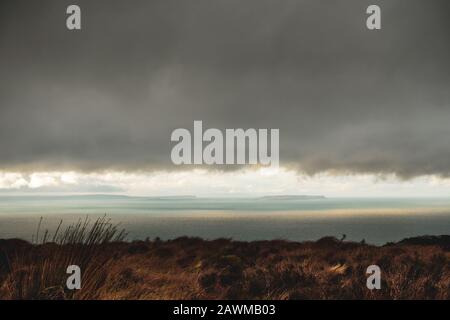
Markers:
(39, 271)
(192, 268)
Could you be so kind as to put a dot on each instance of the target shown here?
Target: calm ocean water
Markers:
(376, 220)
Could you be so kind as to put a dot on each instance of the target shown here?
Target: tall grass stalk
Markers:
(41, 273)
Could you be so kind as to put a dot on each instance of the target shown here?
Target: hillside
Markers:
(192, 268)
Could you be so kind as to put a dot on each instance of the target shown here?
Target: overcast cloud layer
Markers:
(109, 96)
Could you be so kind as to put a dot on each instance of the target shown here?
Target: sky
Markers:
(359, 112)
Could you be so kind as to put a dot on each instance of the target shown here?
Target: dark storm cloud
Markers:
(109, 96)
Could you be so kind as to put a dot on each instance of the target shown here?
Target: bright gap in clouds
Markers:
(246, 182)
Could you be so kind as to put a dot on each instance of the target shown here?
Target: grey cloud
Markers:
(344, 98)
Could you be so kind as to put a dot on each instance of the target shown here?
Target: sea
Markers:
(297, 218)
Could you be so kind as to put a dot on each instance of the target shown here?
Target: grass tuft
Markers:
(40, 272)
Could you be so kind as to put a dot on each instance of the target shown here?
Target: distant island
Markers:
(293, 197)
